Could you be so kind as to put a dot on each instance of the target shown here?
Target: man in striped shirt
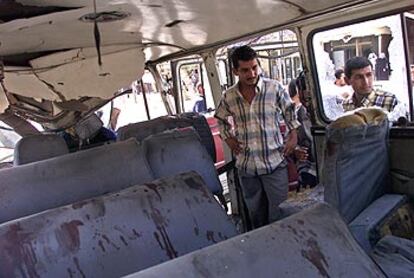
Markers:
(255, 105)
(359, 74)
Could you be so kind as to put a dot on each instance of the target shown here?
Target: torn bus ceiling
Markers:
(56, 40)
(84, 77)
(73, 74)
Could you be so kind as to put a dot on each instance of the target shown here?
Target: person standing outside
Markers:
(360, 75)
(254, 104)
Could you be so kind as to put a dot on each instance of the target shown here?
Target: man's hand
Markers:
(234, 145)
(301, 153)
(291, 142)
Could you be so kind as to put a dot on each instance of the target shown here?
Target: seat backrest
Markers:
(115, 234)
(311, 243)
(356, 165)
(142, 130)
(178, 151)
(54, 182)
(39, 147)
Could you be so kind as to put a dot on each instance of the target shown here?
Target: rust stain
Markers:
(313, 233)
(110, 242)
(188, 203)
(153, 187)
(331, 148)
(210, 236)
(293, 230)
(97, 204)
(315, 256)
(157, 238)
(17, 253)
(146, 213)
(136, 233)
(76, 261)
(195, 184)
(100, 243)
(68, 235)
(196, 199)
(165, 243)
(157, 217)
(221, 236)
(80, 204)
(123, 240)
(71, 273)
(162, 236)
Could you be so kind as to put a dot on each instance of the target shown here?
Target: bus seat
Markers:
(356, 164)
(389, 214)
(142, 130)
(395, 256)
(115, 234)
(176, 151)
(312, 243)
(54, 182)
(39, 147)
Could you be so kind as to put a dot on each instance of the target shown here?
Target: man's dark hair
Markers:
(338, 73)
(243, 53)
(356, 63)
(293, 91)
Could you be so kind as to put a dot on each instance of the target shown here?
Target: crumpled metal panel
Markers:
(313, 243)
(116, 234)
(35, 187)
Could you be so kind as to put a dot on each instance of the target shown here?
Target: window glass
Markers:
(130, 108)
(8, 140)
(195, 90)
(381, 42)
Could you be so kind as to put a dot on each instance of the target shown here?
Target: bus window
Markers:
(8, 140)
(278, 54)
(195, 92)
(381, 41)
(130, 107)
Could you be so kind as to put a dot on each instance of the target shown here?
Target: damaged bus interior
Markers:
(111, 159)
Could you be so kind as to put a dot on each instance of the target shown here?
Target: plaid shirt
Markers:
(386, 101)
(257, 125)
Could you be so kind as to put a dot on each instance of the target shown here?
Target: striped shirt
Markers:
(378, 98)
(256, 125)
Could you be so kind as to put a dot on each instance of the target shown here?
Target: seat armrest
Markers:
(366, 226)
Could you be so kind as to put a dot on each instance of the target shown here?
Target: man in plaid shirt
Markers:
(255, 105)
(359, 74)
